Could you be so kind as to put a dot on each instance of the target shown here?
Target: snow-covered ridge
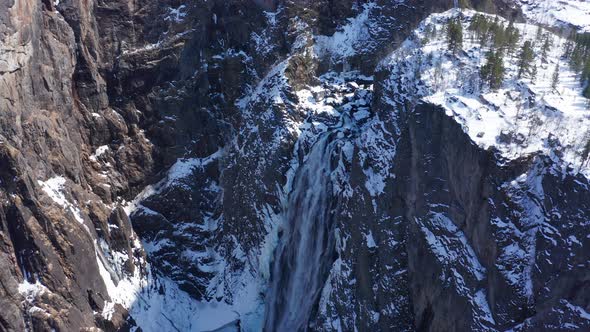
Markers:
(524, 116)
(560, 13)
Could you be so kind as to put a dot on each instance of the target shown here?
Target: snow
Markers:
(521, 118)
(579, 310)
(558, 13)
(31, 291)
(460, 264)
(175, 309)
(182, 168)
(144, 48)
(176, 14)
(452, 245)
(370, 240)
(54, 188)
(185, 166)
(99, 152)
(264, 43)
(484, 115)
(361, 114)
(482, 303)
(345, 42)
(375, 183)
(517, 260)
(335, 105)
(153, 311)
(269, 245)
(308, 102)
(269, 88)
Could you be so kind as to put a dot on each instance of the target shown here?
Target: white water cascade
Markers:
(306, 251)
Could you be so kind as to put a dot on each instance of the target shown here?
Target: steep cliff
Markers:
(283, 164)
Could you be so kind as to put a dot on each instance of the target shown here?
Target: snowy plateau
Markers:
(340, 172)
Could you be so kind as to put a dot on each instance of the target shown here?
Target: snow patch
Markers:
(345, 42)
(370, 240)
(99, 152)
(31, 291)
(176, 14)
(54, 188)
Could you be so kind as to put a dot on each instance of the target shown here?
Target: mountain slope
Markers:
(175, 166)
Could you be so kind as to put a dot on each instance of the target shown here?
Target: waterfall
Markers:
(305, 254)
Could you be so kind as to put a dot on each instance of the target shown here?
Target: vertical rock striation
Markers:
(257, 164)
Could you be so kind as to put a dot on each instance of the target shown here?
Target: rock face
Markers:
(485, 236)
(155, 160)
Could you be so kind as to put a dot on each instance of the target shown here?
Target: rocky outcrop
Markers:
(480, 235)
(45, 237)
(152, 147)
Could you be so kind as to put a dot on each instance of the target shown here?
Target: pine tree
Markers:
(455, 35)
(586, 72)
(586, 151)
(577, 57)
(475, 23)
(486, 31)
(499, 32)
(539, 34)
(480, 25)
(493, 71)
(512, 37)
(427, 34)
(546, 48)
(438, 76)
(586, 92)
(498, 71)
(534, 72)
(486, 70)
(555, 78)
(495, 24)
(568, 47)
(525, 59)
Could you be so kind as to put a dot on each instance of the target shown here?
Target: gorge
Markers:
(294, 165)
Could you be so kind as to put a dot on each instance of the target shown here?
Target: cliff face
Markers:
(150, 153)
(56, 201)
(492, 245)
